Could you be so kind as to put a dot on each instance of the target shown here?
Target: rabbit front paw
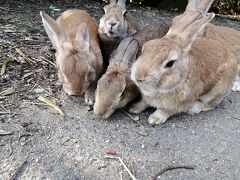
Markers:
(158, 117)
(89, 98)
(138, 107)
(198, 107)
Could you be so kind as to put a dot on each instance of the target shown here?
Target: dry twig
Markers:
(4, 133)
(235, 118)
(142, 132)
(18, 171)
(52, 104)
(4, 66)
(169, 168)
(49, 62)
(10, 147)
(124, 165)
(134, 119)
(8, 91)
(25, 56)
(30, 39)
(5, 9)
(121, 177)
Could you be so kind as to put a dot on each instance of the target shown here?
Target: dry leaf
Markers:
(3, 132)
(4, 66)
(52, 104)
(28, 38)
(24, 56)
(8, 91)
(111, 152)
(27, 74)
(143, 133)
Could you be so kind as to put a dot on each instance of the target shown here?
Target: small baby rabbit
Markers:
(78, 56)
(117, 23)
(182, 72)
(115, 89)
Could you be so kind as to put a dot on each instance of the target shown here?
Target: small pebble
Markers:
(136, 118)
(89, 108)
(38, 90)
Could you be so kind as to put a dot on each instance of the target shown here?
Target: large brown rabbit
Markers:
(182, 72)
(225, 35)
(79, 60)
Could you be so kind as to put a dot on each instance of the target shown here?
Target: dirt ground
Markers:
(41, 144)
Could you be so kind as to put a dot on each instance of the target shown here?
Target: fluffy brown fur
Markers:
(201, 74)
(115, 89)
(125, 25)
(225, 35)
(78, 56)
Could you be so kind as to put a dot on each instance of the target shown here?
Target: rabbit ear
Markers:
(121, 49)
(204, 6)
(181, 22)
(54, 31)
(122, 3)
(199, 5)
(131, 52)
(113, 1)
(189, 34)
(192, 5)
(195, 10)
(127, 51)
(83, 36)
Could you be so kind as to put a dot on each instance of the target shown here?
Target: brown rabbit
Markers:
(117, 23)
(79, 60)
(115, 89)
(182, 72)
(225, 35)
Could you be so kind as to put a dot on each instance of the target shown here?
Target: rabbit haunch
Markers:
(225, 35)
(115, 89)
(182, 72)
(79, 60)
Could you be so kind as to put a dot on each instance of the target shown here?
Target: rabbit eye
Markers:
(170, 64)
(124, 13)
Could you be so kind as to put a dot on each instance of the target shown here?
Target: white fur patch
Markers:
(138, 107)
(198, 107)
(173, 56)
(194, 110)
(158, 117)
(133, 69)
(236, 84)
(206, 99)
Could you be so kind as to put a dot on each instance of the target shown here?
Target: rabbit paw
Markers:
(158, 117)
(236, 86)
(198, 107)
(89, 98)
(138, 107)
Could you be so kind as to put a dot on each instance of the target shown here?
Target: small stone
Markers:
(89, 108)
(136, 118)
(3, 132)
(75, 140)
(39, 91)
